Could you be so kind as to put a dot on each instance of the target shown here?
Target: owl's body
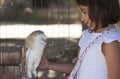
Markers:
(34, 45)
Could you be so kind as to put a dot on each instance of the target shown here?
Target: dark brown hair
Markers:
(102, 11)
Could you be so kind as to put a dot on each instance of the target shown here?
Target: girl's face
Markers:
(85, 17)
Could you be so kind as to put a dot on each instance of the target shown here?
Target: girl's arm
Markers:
(60, 67)
(112, 55)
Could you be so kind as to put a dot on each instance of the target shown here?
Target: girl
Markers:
(99, 54)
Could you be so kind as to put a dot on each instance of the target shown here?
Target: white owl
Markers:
(34, 48)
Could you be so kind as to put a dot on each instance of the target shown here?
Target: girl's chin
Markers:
(90, 28)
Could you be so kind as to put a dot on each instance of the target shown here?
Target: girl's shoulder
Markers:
(112, 35)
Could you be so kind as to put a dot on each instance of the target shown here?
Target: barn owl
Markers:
(34, 47)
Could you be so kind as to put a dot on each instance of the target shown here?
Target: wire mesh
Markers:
(18, 18)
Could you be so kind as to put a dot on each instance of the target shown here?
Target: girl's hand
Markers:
(44, 64)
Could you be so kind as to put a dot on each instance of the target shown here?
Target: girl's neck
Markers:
(99, 30)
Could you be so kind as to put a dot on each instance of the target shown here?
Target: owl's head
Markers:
(40, 38)
(36, 38)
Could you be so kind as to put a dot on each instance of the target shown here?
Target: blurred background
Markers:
(60, 21)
